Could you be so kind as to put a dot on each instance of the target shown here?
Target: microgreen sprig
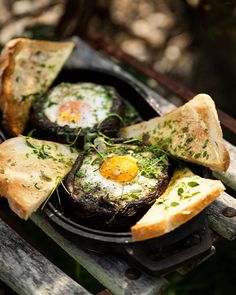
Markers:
(72, 143)
(57, 182)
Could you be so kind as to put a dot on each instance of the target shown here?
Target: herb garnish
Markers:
(174, 204)
(80, 174)
(39, 151)
(206, 143)
(193, 183)
(184, 190)
(133, 194)
(44, 177)
(36, 186)
(87, 185)
(58, 180)
(43, 152)
(180, 191)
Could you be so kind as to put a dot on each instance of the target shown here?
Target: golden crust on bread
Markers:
(27, 69)
(191, 132)
(186, 196)
(30, 170)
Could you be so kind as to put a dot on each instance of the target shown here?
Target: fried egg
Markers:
(78, 105)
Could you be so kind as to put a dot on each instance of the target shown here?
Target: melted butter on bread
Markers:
(30, 169)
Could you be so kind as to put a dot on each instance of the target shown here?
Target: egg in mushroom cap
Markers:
(112, 189)
(69, 111)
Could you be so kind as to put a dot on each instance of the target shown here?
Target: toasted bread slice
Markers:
(27, 69)
(30, 170)
(186, 196)
(191, 132)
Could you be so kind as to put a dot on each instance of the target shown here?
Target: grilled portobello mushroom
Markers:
(69, 111)
(111, 189)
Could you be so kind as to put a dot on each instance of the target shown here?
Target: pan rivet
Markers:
(229, 212)
(132, 273)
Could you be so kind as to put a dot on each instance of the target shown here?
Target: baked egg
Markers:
(113, 188)
(74, 109)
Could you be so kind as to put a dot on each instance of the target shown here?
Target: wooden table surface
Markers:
(109, 270)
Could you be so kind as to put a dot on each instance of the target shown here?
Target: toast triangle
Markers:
(186, 195)
(191, 132)
(27, 69)
(30, 170)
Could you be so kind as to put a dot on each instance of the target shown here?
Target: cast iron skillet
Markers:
(156, 256)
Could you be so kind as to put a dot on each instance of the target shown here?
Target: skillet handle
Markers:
(159, 260)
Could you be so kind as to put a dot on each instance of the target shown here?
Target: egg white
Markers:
(94, 105)
(92, 175)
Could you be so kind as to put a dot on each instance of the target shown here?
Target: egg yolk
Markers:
(119, 168)
(70, 112)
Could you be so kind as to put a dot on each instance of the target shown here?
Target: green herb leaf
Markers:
(189, 139)
(87, 185)
(180, 191)
(29, 144)
(198, 155)
(31, 133)
(185, 129)
(174, 204)
(80, 174)
(36, 186)
(44, 177)
(194, 194)
(160, 201)
(206, 143)
(193, 183)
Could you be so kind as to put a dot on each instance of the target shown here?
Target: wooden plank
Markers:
(85, 56)
(229, 177)
(27, 272)
(225, 225)
(109, 270)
